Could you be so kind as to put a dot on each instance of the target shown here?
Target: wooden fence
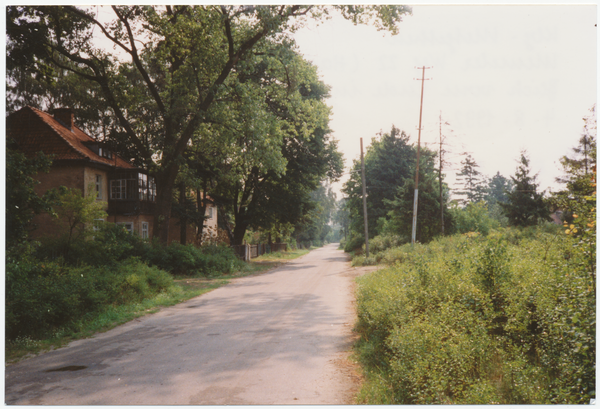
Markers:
(248, 251)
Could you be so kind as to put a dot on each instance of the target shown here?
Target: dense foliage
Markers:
(390, 163)
(171, 73)
(525, 205)
(400, 215)
(56, 284)
(44, 295)
(474, 217)
(314, 228)
(389, 160)
(505, 319)
(22, 202)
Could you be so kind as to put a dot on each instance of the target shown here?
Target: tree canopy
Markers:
(389, 160)
(181, 68)
(22, 202)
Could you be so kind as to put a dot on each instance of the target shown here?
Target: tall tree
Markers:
(389, 160)
(280, 152)
(579, 170)
(180, 62)
(315, 225)
(525, 206)
(342, 218)
(443, 162)
(498, 189)
(472, 181)
(64, 89)
(400, 215)
(497, 192)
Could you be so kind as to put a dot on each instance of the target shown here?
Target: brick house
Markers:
(81, 162)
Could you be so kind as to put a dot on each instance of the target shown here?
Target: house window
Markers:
(99, 187)
(127, 226)
(118, 189)
(145, 230)
(210, 212)
(134, 186)
(105, 153)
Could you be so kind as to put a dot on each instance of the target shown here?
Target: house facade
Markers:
(128, 193)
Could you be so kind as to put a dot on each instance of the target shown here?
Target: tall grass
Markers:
(508, 319)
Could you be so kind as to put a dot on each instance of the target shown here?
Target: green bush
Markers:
(480, 320)
(473, 218)
(55, 285)
(109, 245)
(385, 241)
(45, 295)
(353, 243)
(190, 260)
(135, 281)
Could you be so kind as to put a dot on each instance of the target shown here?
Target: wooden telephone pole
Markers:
(440, 176)
(415, 206)
(364, 194)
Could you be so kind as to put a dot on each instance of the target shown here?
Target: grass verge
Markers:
(184, 288)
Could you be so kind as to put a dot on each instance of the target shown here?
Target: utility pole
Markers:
(364, 194)
(414, 224)
(441, 164)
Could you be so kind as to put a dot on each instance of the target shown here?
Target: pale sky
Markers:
(506, 78)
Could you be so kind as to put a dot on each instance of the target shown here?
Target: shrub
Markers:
(354, 242)
(385, 241)
(473, 218)
(109, 245)
(44, 295)
(135, 281)
(480, 320)
(190, 260)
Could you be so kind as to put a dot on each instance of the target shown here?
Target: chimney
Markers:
(64, 116)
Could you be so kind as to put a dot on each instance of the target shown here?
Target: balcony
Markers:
(130, 207)
(131, 193)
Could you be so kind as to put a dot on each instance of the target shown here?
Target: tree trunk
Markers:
(240, 228)
(229, 232)
(165, 182)
(182, 218)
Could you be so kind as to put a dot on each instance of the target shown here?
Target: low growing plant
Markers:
(480, 320)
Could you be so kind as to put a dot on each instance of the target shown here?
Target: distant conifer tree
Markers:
(525, 206)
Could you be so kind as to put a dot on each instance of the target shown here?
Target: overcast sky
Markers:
(506, 78)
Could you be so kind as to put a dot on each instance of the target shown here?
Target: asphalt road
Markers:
(276, 338)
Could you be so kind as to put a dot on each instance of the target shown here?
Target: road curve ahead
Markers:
(268, 339)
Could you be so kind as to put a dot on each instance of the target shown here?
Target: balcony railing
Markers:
(130, 207)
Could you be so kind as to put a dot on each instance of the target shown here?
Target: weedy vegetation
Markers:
(507, 318)
(62, 290)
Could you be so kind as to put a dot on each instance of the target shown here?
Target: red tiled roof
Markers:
(36, 131)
